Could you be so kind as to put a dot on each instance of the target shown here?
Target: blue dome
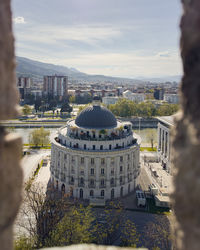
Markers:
(96, 117)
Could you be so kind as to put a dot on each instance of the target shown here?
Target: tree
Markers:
(39, 137)
(23, 242)
(129, 236)
(116, 226)
(66, 108)
(72, 99)
(38, 215)
(52, 105)
(151, 136)
(37, 104)
(75, 227)
(26, 109)
(157, 233)
(167, 109)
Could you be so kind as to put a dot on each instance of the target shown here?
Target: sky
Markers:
(125, 38)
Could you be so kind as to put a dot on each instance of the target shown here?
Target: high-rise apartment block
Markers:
(24, 86)
(55, 86)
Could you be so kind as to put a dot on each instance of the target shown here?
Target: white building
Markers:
(171, 98)
(164, 126)
(95, 156)
(110, 100)
(135, 97)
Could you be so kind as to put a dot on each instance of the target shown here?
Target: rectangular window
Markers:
(102, 171)
(102, 161)
(92, 160)
(82, 160)
(121, 158)
(92, 171)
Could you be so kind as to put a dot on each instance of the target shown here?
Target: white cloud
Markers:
(164, 54)
(19, 20)
(60, 35)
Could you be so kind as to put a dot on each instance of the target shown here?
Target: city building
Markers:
(24, 86)
(135, 97)
(95, 156)
(55, 86)
(159, 93)
(171, 98)
(110, 99)
(164, 126)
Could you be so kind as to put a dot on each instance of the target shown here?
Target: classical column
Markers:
(108, 169)
(86, 172)
(76, 171)
(97, 164)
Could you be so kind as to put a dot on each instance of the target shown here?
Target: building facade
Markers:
(164, 126)
(24, 86)
(171, 98)
(135, 97)
(95, 156)
(55, 86)
(110, 100)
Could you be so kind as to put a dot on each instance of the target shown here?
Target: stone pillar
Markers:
(76, 171)
(97, 164)
(186, 142)
(86, 171)
(108, 169)
(10, 144)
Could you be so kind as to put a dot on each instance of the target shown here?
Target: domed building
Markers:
(95, 156)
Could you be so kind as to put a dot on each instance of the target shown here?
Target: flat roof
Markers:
(169, 120)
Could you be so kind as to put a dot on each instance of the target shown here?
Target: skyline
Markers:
(126, 39)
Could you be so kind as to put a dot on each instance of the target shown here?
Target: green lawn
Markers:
(150, 149)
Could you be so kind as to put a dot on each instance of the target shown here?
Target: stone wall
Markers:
(10, 145)
(186, 142)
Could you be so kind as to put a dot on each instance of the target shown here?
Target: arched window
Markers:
(102, 193)
(81, 193)
(91, 193)
(63, 188)
(112, 193)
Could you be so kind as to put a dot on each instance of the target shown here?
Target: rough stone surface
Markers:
(10, 144)
(8, 91)
(186, 141)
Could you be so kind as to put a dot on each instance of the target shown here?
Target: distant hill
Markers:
(37, 70)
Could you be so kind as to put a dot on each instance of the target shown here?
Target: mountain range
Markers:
(37, 70)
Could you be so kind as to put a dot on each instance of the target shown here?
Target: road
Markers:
(29, 162)
(43, 175)
(144, 180)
